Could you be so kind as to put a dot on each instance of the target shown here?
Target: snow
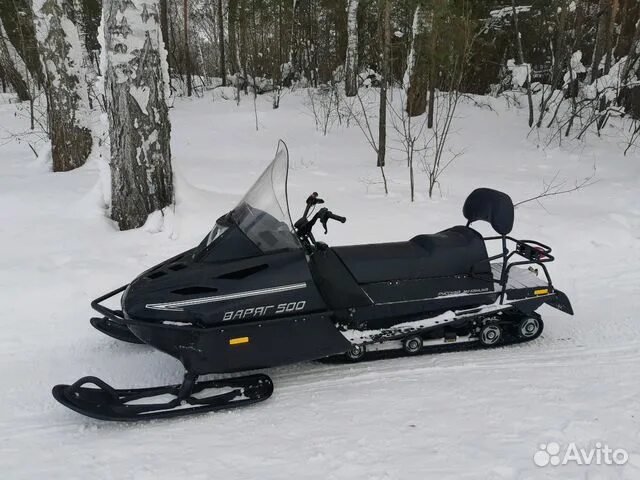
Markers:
(576, 67)
(508, 11)
(457, 415)
(519, 73)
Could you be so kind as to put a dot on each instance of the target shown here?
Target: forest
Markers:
(333, 239)
(572, 63)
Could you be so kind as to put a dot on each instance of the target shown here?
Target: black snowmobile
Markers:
(260, 291)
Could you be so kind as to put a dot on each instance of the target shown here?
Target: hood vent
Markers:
(194, 290)
(244, 273)
(177, 267)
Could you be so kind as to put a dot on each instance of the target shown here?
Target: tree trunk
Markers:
(521, 59)
(432, 100)
(294, 35)
(164, 22)
(386, 54)
(223, 63)
(632, 55)
(233, 35)
(629, 16)
(604, 10)
(187, 55)
(243, 45)
(89, 71)
(351, 62)
(432, 67)
(559, 55)
(608, 44)
(136, 88)
(9, 71)
(18, 20)
(560, 52)
(608, 51)
(415, 78)
(65, 85)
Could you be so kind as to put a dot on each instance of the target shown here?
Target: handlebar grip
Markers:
(338, 218)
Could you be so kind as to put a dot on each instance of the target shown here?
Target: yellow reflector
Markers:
(544, 291)
(238, 341)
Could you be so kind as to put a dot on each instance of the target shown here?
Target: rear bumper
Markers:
(560, 301)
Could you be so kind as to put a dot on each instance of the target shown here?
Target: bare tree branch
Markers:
(555, 187)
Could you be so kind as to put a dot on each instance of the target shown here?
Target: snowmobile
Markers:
(260, 291)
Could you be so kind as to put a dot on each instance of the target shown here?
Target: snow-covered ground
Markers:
(471, 414)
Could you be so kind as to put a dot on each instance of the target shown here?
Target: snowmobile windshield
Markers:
(263, 214)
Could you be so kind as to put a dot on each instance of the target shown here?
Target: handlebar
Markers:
(304, 225)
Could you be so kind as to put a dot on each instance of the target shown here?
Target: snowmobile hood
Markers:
(198, 287)
(252, 248)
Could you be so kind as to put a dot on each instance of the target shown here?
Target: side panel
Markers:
(335, 282)
(401, 301)
(248, 346)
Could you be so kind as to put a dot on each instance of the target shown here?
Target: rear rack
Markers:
(534, 253)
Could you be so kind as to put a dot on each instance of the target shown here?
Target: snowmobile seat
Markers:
(450, 252)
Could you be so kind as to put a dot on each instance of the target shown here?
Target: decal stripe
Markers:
(443, 297)
(178, 306)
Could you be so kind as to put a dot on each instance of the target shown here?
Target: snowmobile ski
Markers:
(103, 402)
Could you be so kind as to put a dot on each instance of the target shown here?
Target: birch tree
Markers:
(19, 24)
(415, 76)
(10, 71)
(65, 84)
(136, 91)
(351, 62)
(88, 68)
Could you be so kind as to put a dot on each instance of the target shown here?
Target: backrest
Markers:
(491, 206)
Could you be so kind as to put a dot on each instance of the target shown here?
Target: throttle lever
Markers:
(324, 214)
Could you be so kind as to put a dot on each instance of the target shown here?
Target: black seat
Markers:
(450, 252)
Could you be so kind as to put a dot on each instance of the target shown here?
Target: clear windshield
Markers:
(263, 213)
